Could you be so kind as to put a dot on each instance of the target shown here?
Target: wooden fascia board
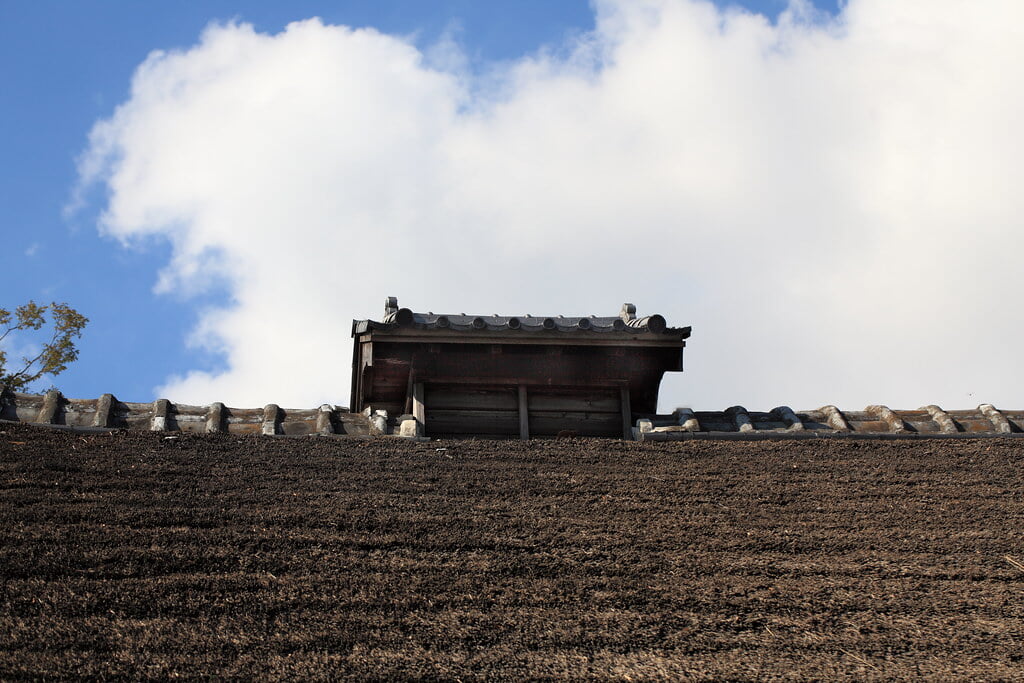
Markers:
(623, 340)
(512, 382)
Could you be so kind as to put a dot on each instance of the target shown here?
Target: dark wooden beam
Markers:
(627, 414)
(524, 415)
(624, 339)
(513, 381)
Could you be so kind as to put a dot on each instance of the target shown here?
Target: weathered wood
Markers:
(941, 418)
(408, 390)
(419, 411)
(390, 407)
(524, 414)
(597, 401)
(997, 419)
(516, 380)
(504, 422)
(271, 417)
(49, 413)
(627, 414)
(215, 418)
(497, 351)
(104, 411)
(894, 421)
(471, 398)
(324, 421)
(628, 338)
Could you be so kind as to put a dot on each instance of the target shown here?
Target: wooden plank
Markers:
(627, 415)
(365, 387)
(597, 401)
(471, 398)
(418, 408)
(524, 414)
(504, 422)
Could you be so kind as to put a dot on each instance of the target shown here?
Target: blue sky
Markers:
(66, 65)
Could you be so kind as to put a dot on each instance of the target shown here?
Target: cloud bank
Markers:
(831, 202)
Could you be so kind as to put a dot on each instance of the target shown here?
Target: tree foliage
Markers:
(56, 353)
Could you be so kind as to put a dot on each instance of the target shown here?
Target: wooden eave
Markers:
(545, 338)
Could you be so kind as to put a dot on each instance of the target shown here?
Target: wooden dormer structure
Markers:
(513, 376)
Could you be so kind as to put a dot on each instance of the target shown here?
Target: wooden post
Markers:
(524, 415)
(627, 414)
(419, 411)
(408, 391)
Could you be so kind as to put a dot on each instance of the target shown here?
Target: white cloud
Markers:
(831, 203)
